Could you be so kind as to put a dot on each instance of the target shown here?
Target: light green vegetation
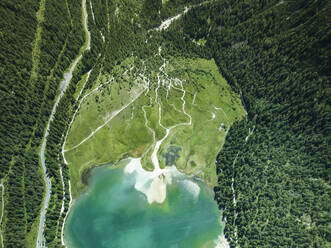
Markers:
(1, 211)
(200, 42)
(80, 86)
(215, 106)
(31, 237)
(121, 118)
(36, 43)
(184, 219)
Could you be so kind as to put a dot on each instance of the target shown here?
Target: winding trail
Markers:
(66, 216)
(226, 116)
(92, 11)
(73, 117)
(153, 183)
(250, 132)
(63, 86)
(65, 161)
(149, 128)
(71, 122)
(85, 16)
(154, 157)
(194, 97)
(234, 200)
(112, 116)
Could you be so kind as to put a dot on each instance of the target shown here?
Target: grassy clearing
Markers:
(208, 100)
(201, 142)
(31, 237)
(80, 85)
(2, 192)
(36, 43)
(98, 107)
(122, 137)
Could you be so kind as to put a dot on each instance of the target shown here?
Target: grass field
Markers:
(135, 101)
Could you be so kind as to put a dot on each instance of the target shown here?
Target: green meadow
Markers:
(136, 101)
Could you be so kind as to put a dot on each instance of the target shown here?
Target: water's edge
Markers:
(93, 179)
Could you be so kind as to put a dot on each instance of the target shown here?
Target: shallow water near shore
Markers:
(112, 213)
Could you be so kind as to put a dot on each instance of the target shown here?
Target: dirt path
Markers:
(63, 86)
(166, 23)
(2, 210)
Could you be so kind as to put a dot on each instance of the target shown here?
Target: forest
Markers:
(39, 46)
(274, 168)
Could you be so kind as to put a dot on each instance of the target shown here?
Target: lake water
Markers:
(112, 213)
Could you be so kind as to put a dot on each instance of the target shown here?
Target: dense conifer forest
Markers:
(274, 168)
(38, 42)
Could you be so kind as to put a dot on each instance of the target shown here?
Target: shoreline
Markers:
(129, 165)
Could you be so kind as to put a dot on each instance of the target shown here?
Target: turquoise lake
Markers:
(112, 213)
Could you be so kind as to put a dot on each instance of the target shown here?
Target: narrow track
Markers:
(63, 86)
